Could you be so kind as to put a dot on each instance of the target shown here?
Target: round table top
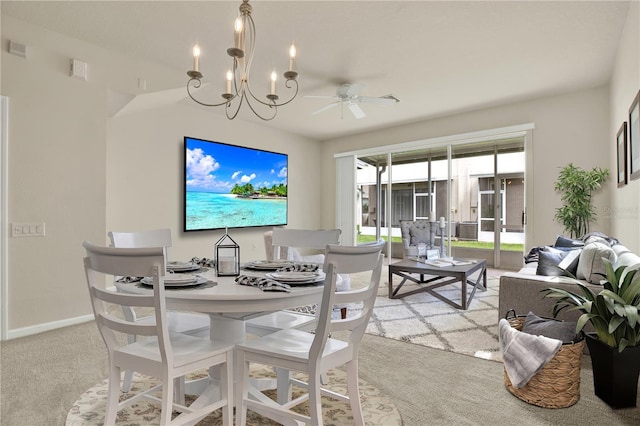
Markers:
(225, 296)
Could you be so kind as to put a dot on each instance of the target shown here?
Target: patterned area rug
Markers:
(89, 409)
(423, 319)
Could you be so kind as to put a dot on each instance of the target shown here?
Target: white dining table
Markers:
(228, 303)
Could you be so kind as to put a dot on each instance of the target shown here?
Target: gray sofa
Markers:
(521, 290)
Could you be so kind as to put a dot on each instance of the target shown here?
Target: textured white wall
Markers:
(625, 83)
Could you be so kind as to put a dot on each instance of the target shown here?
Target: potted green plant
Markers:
(576, 186)
(615, 345)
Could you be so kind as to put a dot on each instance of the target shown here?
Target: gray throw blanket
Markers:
(524, 354)
(264, 284)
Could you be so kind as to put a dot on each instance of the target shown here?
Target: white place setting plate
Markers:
(177, 280)
(268, 265)
(296, 277)
(182, 266)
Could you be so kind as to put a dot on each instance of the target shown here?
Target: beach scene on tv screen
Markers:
(228, 186)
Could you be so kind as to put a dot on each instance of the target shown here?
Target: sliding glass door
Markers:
(477, 188)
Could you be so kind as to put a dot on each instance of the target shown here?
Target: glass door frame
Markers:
(497, 135)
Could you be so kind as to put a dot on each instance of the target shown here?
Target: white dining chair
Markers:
(316, 353)
(302, 318)
(190, 323)
(161, 354)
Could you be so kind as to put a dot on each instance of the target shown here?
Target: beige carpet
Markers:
(423, 319)
(89, 409)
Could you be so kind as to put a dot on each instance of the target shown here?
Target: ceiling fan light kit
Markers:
(237, 81)
(349, 95)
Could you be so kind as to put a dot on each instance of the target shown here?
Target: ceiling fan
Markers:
(349, 95)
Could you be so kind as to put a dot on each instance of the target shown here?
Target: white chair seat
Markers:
(270, 323)
(186, 349)
(294, 345)
(274, 321)
(189, 323)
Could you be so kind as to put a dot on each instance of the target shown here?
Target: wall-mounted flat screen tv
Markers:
(229, 186)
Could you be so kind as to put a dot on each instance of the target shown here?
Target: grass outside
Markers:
(456, 243)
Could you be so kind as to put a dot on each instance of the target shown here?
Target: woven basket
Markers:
(557, 384)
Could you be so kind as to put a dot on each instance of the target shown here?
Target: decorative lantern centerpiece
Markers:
(227, 253)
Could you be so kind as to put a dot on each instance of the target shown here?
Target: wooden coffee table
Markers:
(435, 277)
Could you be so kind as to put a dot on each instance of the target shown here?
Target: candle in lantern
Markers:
(226, 265)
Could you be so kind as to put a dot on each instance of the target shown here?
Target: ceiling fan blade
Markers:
(320, 97)
(357, 112)
(326, 107)
(378, 101)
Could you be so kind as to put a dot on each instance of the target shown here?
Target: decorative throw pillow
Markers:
(562, 241)
(551, 328)
(553, 262)
(419, 236)
(591, 265)
(597, 236)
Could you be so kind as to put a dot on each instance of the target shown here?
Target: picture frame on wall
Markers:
(634, 138)
(621, 142)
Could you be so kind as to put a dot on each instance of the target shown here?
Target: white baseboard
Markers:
(40, 328)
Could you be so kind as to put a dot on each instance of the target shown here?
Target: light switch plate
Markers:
(33, 229)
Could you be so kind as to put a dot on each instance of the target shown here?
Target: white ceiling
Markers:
(438, 58)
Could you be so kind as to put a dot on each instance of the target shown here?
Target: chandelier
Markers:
(238, 89)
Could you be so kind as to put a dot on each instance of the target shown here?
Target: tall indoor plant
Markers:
(615, 345)
(576, 186)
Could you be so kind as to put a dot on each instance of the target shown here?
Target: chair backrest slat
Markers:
(127, 327)
(151, 238)
(124, 299)
(303, 238)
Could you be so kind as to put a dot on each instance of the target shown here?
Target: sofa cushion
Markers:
(551, 328)
(591, 266)
(562, 241)
(553, 262)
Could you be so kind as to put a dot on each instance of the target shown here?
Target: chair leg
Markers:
(127, 381)
(315, 403)
(353, 389)
(242, 391)
(226, 382)
(167, 399)
(113, 396)
(284, 387)
(178, 390)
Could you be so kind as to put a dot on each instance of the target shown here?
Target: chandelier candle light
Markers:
(237, 78)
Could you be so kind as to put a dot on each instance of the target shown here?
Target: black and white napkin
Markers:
(203, 262)
(300, 267)
(264, 284)
(129, 279)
